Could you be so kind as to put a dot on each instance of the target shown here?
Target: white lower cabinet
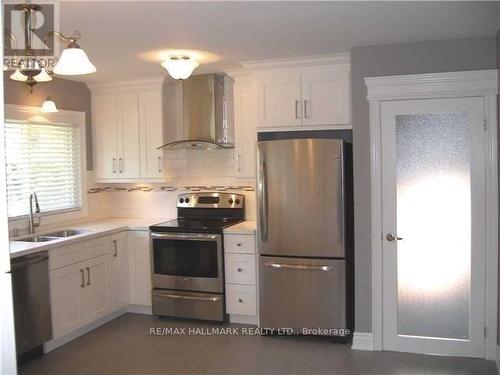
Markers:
(79, 294)
(140, 268)
(119, 271)
(241, 299)
(66, 299)
(241, 280)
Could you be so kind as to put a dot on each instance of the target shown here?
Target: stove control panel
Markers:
(211, 200)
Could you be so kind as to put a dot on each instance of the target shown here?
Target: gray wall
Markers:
(70, 95)
(385, 60)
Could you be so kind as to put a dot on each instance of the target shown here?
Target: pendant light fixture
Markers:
(73, 60)
(49, 106)
(180, 67)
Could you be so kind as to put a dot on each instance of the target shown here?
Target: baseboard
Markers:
(244, 319)
(498, 359)
(362, 341)
(56, 343)
(139, 309)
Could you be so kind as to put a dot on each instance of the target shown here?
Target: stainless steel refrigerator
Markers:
(301, 234)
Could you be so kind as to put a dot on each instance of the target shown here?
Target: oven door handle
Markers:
(191, 236)
(194, 298)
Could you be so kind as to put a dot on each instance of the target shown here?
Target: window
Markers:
(44, 158)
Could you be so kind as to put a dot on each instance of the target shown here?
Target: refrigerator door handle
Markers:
(262, 186)
(299, 267)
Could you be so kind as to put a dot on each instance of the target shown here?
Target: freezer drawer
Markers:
(180, 304)
(302, 293)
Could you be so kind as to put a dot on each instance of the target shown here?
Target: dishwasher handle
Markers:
(28, 260)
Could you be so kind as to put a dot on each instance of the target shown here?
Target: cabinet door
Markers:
(279, 99)
(96, 294)
(105, 128)
(325, 98)
(245, 129)
(119, 271)
(151, 130)
(128, 136)
(140, 268)
(66, 292)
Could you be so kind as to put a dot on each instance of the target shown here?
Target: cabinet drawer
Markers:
(241, 299)
(239, 243)
(240, 269)
(98, 246)
(66, 255)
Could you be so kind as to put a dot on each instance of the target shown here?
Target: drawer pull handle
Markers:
(299, 267)
(193, 298)
(240, 300)
(82, 285)
(238, 244)
(239, 269)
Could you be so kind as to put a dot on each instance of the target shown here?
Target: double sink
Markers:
(53, 236)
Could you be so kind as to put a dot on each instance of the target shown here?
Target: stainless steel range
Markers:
(187, 256)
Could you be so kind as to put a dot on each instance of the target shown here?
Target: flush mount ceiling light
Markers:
(180, 67)
(49, 106)
(73, 60)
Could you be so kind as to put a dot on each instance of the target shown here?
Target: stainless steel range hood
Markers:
(198, 113)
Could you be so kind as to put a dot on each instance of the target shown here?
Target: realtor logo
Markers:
(28, 33)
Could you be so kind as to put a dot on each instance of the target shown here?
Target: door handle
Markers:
(88, 275)
(392, 237)
(114, 165)
(297, 110)
(305, 108)
(115, 254)
(262, 189)
(120, 165)
(82, 285)
(159, 164)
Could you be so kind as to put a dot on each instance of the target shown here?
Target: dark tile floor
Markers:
(124, 346)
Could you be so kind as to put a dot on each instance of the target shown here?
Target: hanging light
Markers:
(49, 106)
(43, 76)
(74, 60)
(180, 67)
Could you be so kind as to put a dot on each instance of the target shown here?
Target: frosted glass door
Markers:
(433, 209)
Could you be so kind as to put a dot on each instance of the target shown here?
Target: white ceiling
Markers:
(115, 34)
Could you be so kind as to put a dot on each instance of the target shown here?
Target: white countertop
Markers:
(96, 228)
(246, 227)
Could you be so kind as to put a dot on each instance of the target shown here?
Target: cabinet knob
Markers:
(238, 244)
(239, 269)
(240, 300)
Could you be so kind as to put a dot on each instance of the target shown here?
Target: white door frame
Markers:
(482, 83)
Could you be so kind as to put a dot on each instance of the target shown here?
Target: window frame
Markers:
(26, 114)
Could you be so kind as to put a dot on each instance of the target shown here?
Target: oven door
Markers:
(187, 261)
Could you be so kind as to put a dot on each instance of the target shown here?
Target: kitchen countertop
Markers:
(246, 227)
(96, 228)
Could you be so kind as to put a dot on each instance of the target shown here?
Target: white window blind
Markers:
(42, 158)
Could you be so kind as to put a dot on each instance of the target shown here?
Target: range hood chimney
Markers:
(198, 113)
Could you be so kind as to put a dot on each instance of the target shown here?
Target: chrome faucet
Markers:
(34, 215)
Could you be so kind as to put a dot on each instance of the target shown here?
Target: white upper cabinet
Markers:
(127, 136)
(279, 99)
(127, 130)
(325, 98)
(151, 136)
(104, 114)
(302, 98)
(245, 131)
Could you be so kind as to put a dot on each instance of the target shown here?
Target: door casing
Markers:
(481, 84)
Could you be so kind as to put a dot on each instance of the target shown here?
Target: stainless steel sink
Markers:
(67, 233)
(38, 239)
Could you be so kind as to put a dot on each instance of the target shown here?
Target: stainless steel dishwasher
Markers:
(30, 284)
